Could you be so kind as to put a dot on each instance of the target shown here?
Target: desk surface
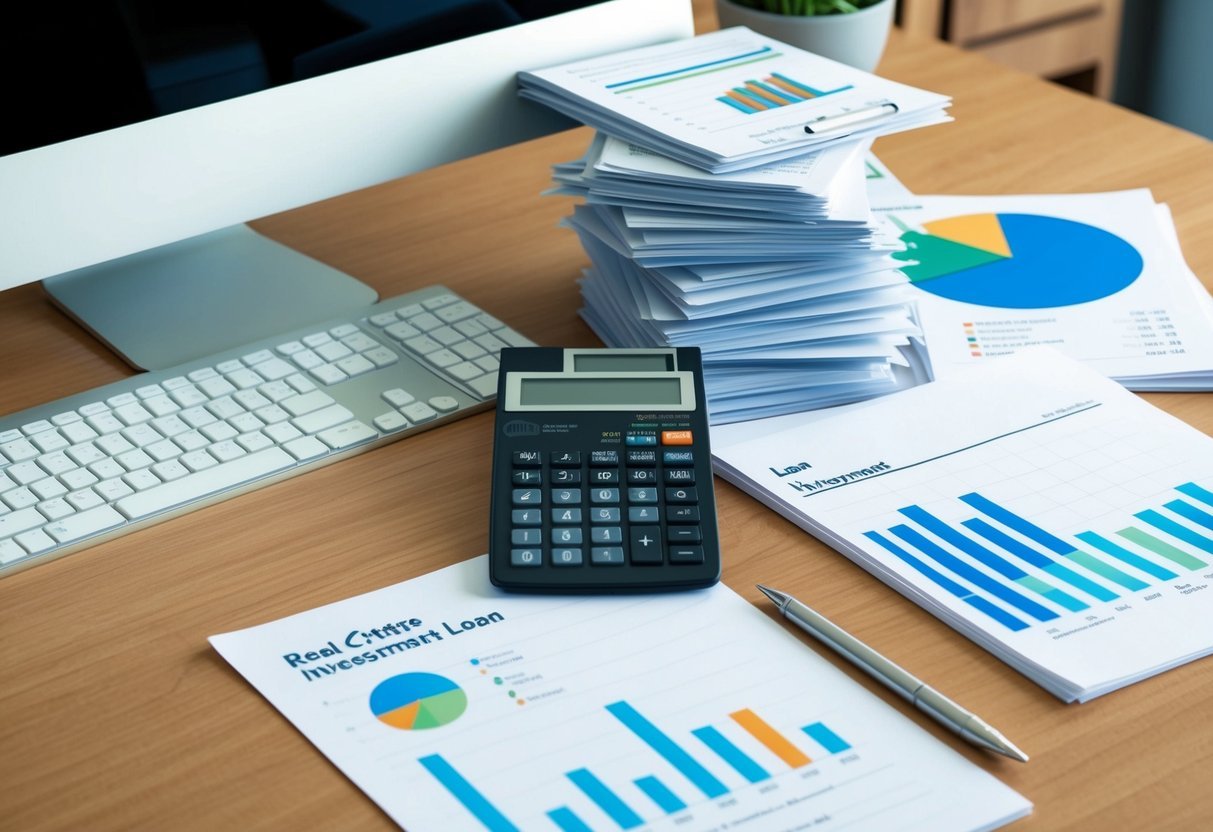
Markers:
(116, 714)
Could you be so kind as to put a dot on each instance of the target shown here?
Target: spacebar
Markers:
(205, 482)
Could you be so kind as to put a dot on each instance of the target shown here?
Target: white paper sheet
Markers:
(454, 706)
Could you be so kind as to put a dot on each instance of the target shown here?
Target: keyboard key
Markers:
(443, 358)
(215, 387)
(85, 499)
(10, 551)
(333, 351)
(18, 498)
(47, 488)
(355, 365)
(113, 489)
(391, 421)
(444, 404)
(67, 529)
(48, 441)
(18, 521)
(306, 403)
(318, 420)
(328, 374)
(225, 451)
(198, 460)
(141, 480)
(78, 432)
(484, 386)
(381, 356)
(203, 483)
(418, 412)
(425, 321)
(397, 397)
(347, 435)
(306, 447)
(35, 541)
(244, 378)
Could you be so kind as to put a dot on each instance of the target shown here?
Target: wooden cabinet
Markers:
(1071, 41)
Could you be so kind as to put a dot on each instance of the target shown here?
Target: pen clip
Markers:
(826, 124)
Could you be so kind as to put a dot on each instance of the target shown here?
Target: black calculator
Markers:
(602, 472)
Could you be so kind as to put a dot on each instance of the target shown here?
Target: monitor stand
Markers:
(187, 300)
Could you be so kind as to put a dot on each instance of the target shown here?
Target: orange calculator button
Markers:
(676, 437)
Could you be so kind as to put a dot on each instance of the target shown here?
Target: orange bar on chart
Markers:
(772, 739)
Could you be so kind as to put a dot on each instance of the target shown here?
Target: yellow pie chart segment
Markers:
(981, 231)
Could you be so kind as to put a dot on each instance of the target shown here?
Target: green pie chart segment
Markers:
(415, 701)
(1018, 261)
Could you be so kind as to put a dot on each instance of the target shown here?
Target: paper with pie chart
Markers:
(1098, 276)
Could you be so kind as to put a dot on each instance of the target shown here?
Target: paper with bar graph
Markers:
(455, 706)
(730, 99)
(1037, 506)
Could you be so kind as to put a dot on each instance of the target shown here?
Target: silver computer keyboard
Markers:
(102, 463)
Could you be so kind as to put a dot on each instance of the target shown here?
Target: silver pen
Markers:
(914, 690)
(825, 124)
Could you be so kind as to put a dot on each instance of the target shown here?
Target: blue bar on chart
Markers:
(568, 821)
(659, 794)
(1191, 512)
(463, 791)
(991, 559)
(673, 753)
(1125, 556)
(1052, 542)
(1029, 555)
(1196, 492)
(606, 799)
(731, 754)
(975, 576)
(1178, 531)
(827, 739)
(952, 587)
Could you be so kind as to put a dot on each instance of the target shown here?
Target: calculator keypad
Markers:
(604, 508)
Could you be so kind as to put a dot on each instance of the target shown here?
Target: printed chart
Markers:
(476, 710)
(413, 701)
(1033, 503)
(1099, 277)
(1017, 261)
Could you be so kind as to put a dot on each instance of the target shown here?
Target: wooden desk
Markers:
(116, 714)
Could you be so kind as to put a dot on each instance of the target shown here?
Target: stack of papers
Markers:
(1101, 277)
(730, 99)
(455, 706)
(772, 272)
(1035, 505)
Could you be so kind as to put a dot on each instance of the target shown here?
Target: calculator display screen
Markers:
(566, 391)
(606, 362)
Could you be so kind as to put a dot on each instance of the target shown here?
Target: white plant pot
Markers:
(857, 38)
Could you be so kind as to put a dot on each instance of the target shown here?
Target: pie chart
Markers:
(1018, 261)
(414, 701)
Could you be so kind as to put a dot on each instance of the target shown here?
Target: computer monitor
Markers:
(142, 134)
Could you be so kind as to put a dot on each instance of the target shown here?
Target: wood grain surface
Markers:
(116, 714)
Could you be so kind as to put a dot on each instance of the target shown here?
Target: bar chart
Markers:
(1163, 544)
(663, 799)
(775, 90)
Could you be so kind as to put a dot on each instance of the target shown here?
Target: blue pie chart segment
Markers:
(1053, 262)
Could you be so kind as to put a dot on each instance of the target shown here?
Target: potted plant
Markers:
(851, 31)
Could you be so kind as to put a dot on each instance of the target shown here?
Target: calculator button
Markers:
(604, 495)
(678, 457)
(646, 544)
(684, 534)
(604, 515)
(527, 496)
(601, 458)
(686, 554)
(604, 476)
(566, 515)
(561, 476)
(642, 476)
(527, 478)
(675, 437)
(565, 496)
(642, 514)
(682, 514)
(681, 495)
(642, 495)
(606, 556)
(526, 537)
(566, 557)
(565, 459)
(679, 476)
(526, 517)
(640, 439)
(606, 534)
(572, 537)
(526, 557)
(527, 459)
(642, 458)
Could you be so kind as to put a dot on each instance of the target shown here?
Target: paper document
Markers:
(1040, 508)
(1098, 276)
(730, 99)
(455, 706)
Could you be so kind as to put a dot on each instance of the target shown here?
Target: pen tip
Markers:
(774, 594)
